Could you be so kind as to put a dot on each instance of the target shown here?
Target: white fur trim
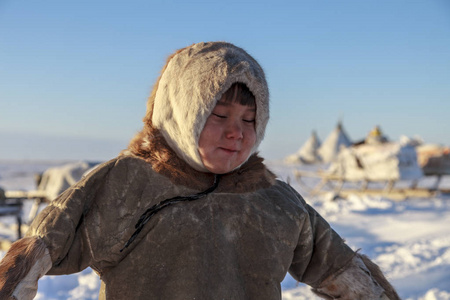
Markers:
(356, 282)
(189, 88)
(27, 287)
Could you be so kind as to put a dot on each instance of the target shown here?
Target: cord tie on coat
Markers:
(150, 212)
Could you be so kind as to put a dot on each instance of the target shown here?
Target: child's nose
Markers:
(234, 131)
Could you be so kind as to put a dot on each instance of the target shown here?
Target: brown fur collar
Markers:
(18, 262)
(151, 146)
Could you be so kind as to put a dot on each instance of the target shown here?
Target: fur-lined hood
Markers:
(190, 84)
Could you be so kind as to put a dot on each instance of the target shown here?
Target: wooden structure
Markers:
(11, 203)
(50, 184)
(342, 188)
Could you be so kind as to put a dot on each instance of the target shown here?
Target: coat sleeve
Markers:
(52, 239)
(323, 260)
(25, 262)
(320, 251)
(58, 225)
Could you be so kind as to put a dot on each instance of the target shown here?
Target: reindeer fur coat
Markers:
(237, 242)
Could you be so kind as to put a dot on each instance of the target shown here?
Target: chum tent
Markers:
(336, 140)
(307, 154)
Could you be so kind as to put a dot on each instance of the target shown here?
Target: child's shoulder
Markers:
(118, 166)
(284, 194)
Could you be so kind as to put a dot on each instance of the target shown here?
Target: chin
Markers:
(221, 169)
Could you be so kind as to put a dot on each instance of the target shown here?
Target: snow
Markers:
(408, 239)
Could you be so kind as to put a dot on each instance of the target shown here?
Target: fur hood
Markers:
(190, 84)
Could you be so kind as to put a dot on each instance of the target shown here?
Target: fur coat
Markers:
(228, 245)
(236, 240)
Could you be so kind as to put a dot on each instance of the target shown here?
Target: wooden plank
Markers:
(25, 194)
(394, 194)
(389, 190)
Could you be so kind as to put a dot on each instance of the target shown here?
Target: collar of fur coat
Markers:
(151, 146)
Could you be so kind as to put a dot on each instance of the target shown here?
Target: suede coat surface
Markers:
(227, 245)
(237, 242)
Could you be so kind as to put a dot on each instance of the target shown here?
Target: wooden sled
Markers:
(342, 188)
(11, 203)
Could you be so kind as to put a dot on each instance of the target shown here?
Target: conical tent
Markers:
(307, 153)
(333, 143)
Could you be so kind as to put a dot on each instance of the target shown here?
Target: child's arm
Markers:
(324, 261)
(359, 279)
(53, 237)
(25, 262)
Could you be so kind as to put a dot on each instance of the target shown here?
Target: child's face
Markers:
(228, 137)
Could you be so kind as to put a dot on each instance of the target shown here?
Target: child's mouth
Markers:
(228, 150)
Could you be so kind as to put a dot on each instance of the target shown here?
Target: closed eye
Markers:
(219, 116)
(249, 121)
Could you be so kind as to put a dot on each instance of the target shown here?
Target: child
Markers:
(189, 211)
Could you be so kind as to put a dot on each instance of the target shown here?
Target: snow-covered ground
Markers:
(409, 240)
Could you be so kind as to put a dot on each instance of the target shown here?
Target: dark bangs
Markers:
(239, 93)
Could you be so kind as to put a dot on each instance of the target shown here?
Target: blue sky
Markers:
(75, 75)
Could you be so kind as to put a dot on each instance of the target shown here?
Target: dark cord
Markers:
(145, 217)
